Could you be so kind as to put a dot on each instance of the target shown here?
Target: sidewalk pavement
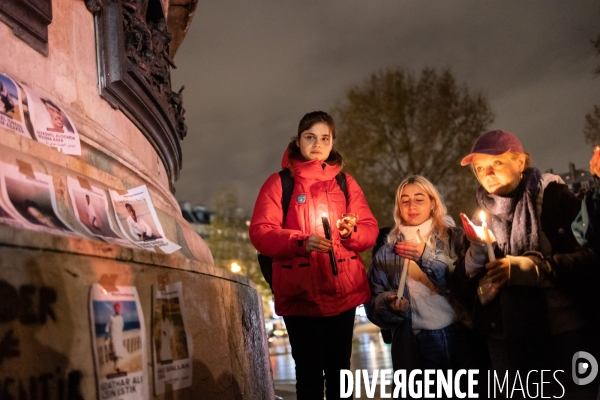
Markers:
(286, 390)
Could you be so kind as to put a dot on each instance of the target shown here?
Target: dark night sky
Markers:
(252, 69)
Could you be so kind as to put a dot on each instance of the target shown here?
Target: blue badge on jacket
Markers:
(301, 198)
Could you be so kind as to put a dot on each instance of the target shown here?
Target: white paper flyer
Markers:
(51, 125)
(137, 219)
(11, 107)
(118, 331)
(172, 347)
(90, 205)
(29, 196)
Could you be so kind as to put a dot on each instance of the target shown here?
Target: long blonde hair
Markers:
(441, 220)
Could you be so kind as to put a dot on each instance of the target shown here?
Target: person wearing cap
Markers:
(545, 309)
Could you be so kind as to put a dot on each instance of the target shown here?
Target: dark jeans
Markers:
(320, 345)
(442, 348)
(452, 348)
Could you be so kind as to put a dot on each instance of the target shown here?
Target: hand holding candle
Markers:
(405, 267)
(327, 230)
(474, 232)
(487, 289)
(487, 238)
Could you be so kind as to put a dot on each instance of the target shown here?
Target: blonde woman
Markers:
(425, 321)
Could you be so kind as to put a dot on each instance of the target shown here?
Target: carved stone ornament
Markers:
(134, 73)
(29, 20)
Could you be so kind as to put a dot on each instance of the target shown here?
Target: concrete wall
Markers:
(45, 336)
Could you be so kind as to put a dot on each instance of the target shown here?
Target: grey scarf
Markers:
(513, 218)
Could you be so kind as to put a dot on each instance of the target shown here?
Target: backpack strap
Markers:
(341, 180)
(287, 187)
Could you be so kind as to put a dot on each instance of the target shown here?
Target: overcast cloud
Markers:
(252, 69)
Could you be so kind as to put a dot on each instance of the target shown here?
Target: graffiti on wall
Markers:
(31, 306)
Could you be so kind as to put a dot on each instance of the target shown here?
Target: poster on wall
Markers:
(51, 125)
(172, 344)
(118, 331)
(29, 196)
(90, 205)
(137, 220)
(8, 219)
(11, 107)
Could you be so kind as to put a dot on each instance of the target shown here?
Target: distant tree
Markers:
(396, 124)
(592, 127)
(592, 119)
(229, 241)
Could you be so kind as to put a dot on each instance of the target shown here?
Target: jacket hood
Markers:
(313, 169)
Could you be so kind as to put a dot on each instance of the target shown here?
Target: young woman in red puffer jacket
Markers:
(317, 306)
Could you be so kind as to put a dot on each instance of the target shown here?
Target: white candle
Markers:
(488, 238)
(403, 277)
(402, 281)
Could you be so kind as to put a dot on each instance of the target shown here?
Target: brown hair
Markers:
(306, 123)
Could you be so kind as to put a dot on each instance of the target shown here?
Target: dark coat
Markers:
(519, 314)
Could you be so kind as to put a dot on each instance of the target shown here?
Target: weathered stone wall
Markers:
(45, 332)
(45, 335)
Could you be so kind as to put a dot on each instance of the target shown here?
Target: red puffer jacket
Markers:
(303, 283)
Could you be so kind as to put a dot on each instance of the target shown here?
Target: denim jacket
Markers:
(384, 276)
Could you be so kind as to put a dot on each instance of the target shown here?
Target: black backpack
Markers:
(287, 186)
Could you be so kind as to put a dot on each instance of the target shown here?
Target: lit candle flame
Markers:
(59, 150)
(325, 215)
(482, 216)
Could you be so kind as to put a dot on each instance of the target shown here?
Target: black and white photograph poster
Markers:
(90, 205)
(29, 197)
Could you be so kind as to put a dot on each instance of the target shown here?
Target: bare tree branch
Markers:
(396, 124)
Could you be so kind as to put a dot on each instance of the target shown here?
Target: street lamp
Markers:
(235, 268)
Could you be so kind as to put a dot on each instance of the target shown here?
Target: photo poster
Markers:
(11, 107)
(138, 221)
(51, 125)
(172, 345)
(7, 218)
(91, 210)
(119, 342)
(29, 197)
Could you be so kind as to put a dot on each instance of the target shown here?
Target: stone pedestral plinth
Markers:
(46, 348)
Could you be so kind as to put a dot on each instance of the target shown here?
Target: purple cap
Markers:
(493, 143)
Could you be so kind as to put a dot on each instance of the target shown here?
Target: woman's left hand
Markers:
(499, 271)
(411, 250)
(595, 162)
(346, 224)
